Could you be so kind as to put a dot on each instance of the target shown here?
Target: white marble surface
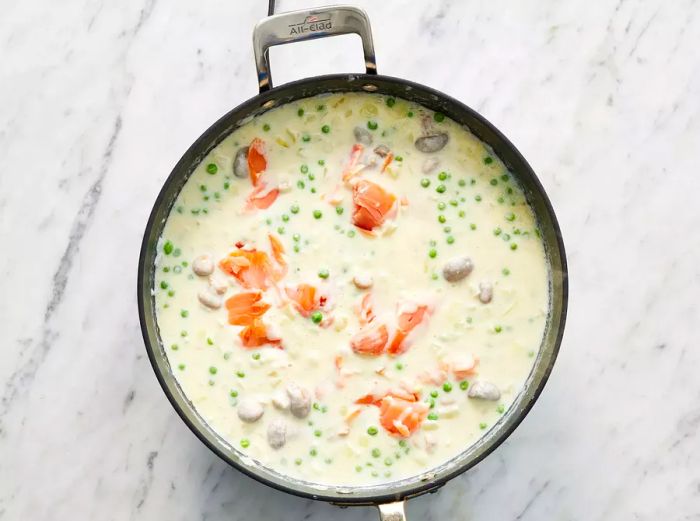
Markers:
(99, 99)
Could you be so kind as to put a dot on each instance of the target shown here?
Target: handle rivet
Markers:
(369, 87)
(269, 104)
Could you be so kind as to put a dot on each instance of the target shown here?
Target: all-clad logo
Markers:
(311, 24)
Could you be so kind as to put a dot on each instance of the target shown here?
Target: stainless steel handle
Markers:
(308, 24)
(392, 511)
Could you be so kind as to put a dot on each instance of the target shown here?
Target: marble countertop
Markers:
(98, 100)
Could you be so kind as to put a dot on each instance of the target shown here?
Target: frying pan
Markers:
(319, 23)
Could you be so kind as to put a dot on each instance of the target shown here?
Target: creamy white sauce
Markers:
(490, 223)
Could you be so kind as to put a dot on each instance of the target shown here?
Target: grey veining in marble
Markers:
(99, 99)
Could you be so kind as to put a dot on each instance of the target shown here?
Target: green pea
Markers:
(434, 393)
(483, 425)
(447, 387)
(351, 233)
(280, 230)
(390, 102)
(320, 107)
(294, 209)
(184, 313)
(442, 176)
(376, 453)
(266, 127)
(432, 416)
(441, 205)
(461, 213)
(398, 158)
(163, 285)
(477, 198)
(399, 366)
(494, 181)
(212, 168)
(325, 129)
(168, 247)
(306, 138)
(441, 189)
(300, 184)
(442, 219)
(505, 271)
(233, 393)
(245, 443)
(425, 182)
(372, 125)
(439, 117)
(317, 433)
(227, 185)
(501, 409)
(256, 356)
(181, 367)
(321, 162)
(304, 169)
(213, 370)
(513, 246)
(297, 461)
(488, 160)
(323, 273)
(240, 374)
(285, 217)
(472, 226)
(409, 113)
(510, 217)
(498, 329)
(432, 253)
(210, 341)
(372, 430)
(317, 214)
(464, 385)
(450, 239)
(316, 317)
(462, 182)
(313, 452)
(296, 237)
(388, 462)
(339, 210)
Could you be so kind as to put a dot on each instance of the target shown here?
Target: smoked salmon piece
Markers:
(370, 340)
(304, 298)
(351, 170)
(257, 163)
(251, 268)
(373, 205)
(401, 417)
(261, 197)
(400, 412)
(244, 308)
(256, 335)
(407, 321)
(254, 269)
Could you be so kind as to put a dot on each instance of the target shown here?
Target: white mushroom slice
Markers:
(240, 163)
(485, 292)
(432, 143)
(250, 410)
(209, 299)
(363, 136)
(218, 284)
(484, 391)
(277, 433)
(457, 269)
(362, 281)
(280, 400)
(299, 401)
(381, 150)
(203, 265)
(430, 165)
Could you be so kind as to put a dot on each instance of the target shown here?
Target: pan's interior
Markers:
(536, 196)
